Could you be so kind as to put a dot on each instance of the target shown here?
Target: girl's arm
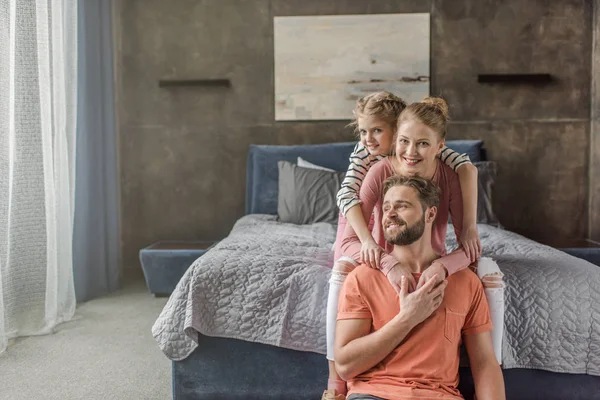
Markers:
(348, 200)
(352, 242)
(360, 163)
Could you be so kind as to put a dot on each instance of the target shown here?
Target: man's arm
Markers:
(357, 350)
(487, 375)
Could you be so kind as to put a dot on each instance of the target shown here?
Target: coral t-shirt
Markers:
(425, 364)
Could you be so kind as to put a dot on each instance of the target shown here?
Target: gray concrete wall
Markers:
(183, 151)
(594, 186)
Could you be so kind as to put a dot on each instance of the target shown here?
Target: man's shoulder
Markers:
(371, 283)
(464, 288)
(363, 271)
(366, 278)
(465, 278)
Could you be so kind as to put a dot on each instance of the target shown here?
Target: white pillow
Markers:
(305, 164)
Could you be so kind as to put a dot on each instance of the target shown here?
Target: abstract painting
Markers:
(323, 64)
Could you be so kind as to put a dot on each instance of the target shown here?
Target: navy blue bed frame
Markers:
(230, 369)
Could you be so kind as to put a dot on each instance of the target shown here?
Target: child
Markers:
(376, 117)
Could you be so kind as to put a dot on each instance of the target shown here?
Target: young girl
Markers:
(376, 116)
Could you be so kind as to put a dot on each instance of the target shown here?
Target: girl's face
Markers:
(376, 135)
(416, 147)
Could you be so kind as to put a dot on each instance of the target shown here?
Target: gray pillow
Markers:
(487, 171)
(307, 195)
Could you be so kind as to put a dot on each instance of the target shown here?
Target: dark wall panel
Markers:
(541, 187)
(183, 150)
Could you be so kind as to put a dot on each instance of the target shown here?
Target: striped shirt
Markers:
(360, 163)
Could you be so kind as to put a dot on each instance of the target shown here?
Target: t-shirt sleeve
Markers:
(453, 159)
(478, 318)
(351, 304)
(360, 162)
(347, 196)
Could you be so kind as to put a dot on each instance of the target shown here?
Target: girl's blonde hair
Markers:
(383, 105)
(431, 111)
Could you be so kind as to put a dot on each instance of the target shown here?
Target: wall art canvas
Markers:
(323, 64)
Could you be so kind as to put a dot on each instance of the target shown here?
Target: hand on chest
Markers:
(446, 321)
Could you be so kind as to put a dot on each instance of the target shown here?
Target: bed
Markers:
(247, 320)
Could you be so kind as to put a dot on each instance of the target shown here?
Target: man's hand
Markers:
(370, 253)
(420, 304)
(469, 239)
(436, 271)
(395, 277)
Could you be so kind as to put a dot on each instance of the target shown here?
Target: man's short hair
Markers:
(429, 193)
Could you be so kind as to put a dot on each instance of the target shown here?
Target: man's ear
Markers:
(430, 214)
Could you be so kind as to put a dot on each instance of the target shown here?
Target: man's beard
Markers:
(408, 235)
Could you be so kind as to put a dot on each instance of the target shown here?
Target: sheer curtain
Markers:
(38, 57)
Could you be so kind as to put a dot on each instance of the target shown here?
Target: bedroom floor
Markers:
(105, 352)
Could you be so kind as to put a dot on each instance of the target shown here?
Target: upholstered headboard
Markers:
(262, 174)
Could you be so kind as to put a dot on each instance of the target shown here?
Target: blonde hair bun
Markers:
(438, 103)
(432, 111)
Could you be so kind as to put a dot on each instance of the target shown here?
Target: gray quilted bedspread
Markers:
(267, 282)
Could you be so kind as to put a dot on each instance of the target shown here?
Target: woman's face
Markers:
(376, 135)
(417, 146)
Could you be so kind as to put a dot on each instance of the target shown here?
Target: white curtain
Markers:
(38, 58)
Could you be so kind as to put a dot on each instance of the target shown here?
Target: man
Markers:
(406, 346)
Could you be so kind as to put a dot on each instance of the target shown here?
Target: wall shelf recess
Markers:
(194, 82)
(516, 79)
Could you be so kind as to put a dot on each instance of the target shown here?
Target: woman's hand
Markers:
(469, 239)
(435, 271)
(395, 277)
(370, 254)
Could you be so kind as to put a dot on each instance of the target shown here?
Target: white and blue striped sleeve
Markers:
(360, 162)
(453, 159)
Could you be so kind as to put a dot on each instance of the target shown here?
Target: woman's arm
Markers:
(458, 259)
(467, 176)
